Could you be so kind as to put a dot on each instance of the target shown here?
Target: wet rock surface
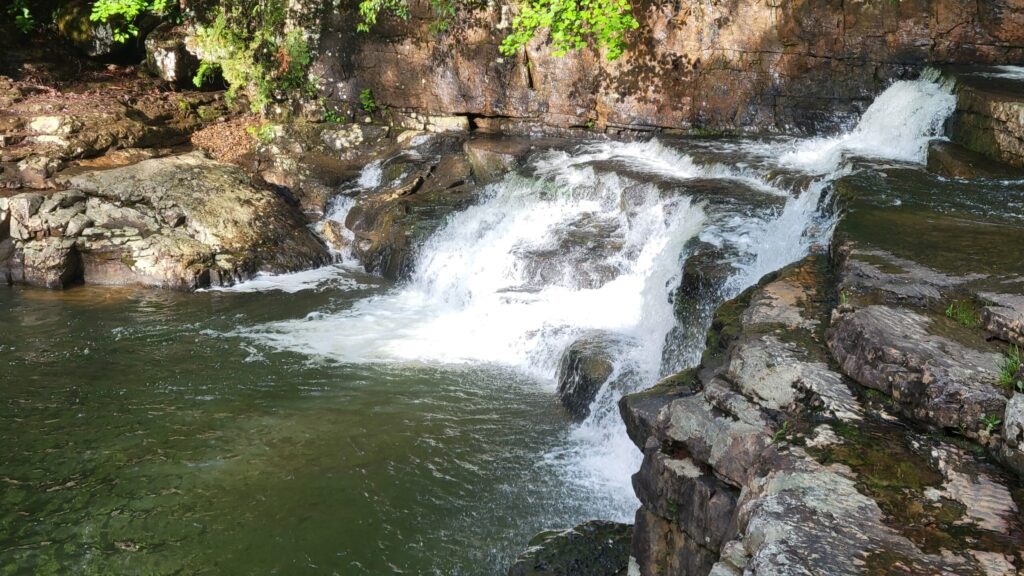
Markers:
(955, 161)
(584, 368)
(987, 119)
(594, 548)
(416, 193)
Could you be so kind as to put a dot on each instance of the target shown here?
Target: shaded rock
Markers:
(584, 368)
(987, 119)
(452, 171)
(1012, 453)
(955, 161)
(661, 547)
(47, 263)
(75, 25)
(594, 548)
(691, 497)
(167, 56)
(491, 159)
(390, 223)
(35, 171)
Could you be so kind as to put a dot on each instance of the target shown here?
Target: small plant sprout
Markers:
(367, 102)
(844, 298)
(1011, 366)
(780, 434)
(990, 422)
(265, 133)
(963, 313)
(334, 117)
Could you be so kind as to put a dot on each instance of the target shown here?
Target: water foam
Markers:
(503, 284)
(485, 306)
(316, 279)
(897, 126)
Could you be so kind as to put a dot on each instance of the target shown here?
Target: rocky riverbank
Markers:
(858, 412)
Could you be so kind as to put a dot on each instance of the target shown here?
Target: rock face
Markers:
(595, 548)
(181, 222)
(766, 461)
(955, 161)
(43, 134)
(988, 116)
(737, 65)
(930, 377)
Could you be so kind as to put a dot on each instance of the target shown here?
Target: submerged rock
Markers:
(584, 368)
(594, 548)
(493, 158)
(418, 193)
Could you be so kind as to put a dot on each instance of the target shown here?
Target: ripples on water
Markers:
(324, 422)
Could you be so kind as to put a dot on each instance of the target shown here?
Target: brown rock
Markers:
(955, 161)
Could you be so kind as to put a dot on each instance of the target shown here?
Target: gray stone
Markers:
(48, 263)
(1004, 317)
(930, 377)
(594, 548)
(167, 57)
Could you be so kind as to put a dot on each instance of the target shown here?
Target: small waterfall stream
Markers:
(595, 239)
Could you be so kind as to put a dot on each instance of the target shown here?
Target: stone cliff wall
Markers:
(770, 65)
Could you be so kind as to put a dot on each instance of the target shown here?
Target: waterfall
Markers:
(595, 239)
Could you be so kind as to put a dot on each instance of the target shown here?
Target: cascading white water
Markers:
(582, 244)
(897, 126)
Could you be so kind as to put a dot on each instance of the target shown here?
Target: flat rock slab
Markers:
(931, 378)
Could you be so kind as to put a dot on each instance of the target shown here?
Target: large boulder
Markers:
(594, 548)
(180, 221)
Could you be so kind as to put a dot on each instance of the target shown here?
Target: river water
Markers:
(330, 423)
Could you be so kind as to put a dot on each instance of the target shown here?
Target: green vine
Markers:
(573, 25)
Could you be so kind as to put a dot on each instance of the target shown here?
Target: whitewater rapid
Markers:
(594, 240)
